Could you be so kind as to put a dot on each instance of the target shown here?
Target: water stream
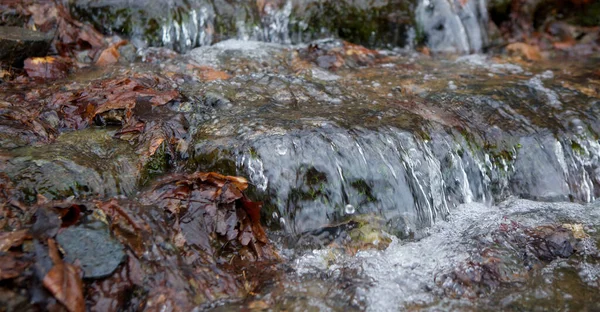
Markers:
(446, 25)
(460, 173)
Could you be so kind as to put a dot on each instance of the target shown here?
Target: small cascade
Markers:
(453, 25)
(312, 147)
(313, 175)
(444, 25)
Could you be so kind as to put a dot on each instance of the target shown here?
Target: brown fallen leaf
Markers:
(220, 180)
(524, 50)
(207, 73)
(12, 239)
(12, 265)
(64, 281)
(48, 67)
(110, 55)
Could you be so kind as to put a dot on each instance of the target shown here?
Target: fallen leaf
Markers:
(577, 230)
(12, 265)
(563, 45)
(48, 67)
(524, 50)
(64, 281)
(12, 239)
(110, 55)
(207, 73)
(253, 211)
(220, 180)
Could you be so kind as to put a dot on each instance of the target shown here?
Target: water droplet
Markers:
(282, 221)
(350, 209)
(275, 215)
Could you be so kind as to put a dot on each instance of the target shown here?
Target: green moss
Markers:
(364, 189)
(577, 148)
(217, 160)
(157, 165)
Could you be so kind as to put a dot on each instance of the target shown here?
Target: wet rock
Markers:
(88, 162)
(183, 25)
(216, 101)
(358, 233)
(179, 25)
(17, 44)
(98, 253)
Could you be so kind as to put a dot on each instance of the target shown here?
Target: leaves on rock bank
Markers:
(206, 203)
(189, 239)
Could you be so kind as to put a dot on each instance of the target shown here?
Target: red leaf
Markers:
(253, 211)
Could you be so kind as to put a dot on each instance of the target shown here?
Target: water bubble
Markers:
(349, 209)
(282, 221)
(281, 150)
(275, 215)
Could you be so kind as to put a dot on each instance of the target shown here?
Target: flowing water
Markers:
(452, 169)
(439, 149)
(449, 26)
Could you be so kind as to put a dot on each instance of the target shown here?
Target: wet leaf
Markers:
(207, 73)
(12, 239)
(12, 265)
(64, 281)
(577, 229)
(220, 180)
(110, 55)
(253, 211)
(526, 51)
(48, 67)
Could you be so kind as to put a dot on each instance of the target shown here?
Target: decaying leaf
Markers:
(253, 211)
(207, 73)
(12, 239)
(64, 281)
(12, 265)
(212, 211)
(577, 230)
(48, 67)
(220, 180)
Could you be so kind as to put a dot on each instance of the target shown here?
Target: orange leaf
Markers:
(109, 56)
(64, 281)
(524, 50)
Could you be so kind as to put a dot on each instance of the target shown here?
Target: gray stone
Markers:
(17, 44)
(99, 254)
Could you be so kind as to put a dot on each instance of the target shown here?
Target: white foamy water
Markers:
(405, 273)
